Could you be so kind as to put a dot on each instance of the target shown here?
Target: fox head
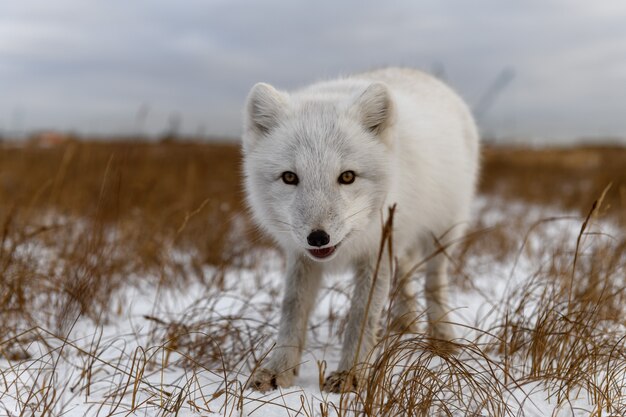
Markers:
(317, 166)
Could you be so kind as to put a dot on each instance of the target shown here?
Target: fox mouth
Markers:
(323, 253)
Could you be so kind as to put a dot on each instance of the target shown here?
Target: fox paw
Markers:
(441, 339)
(266, 380)
(341, 381)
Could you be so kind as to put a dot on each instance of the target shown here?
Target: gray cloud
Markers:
(91, 66)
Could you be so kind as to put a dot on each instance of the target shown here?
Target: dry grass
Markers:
(83, 222)
(571, 178)
(104, 212)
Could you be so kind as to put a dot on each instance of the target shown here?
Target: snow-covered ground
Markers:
(188, 351)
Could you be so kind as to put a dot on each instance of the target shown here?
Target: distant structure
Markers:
(49, 139)
(484, 103)
(175, 122)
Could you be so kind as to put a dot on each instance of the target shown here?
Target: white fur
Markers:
(411, 141)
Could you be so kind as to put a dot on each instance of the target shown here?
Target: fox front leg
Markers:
(362, 326)
(301, 287)
(438, 306)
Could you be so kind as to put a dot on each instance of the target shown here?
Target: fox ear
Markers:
(264, 108)
(374, 108)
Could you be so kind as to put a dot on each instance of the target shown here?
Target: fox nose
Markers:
(318, 238)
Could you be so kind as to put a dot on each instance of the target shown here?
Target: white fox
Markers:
(322, 164)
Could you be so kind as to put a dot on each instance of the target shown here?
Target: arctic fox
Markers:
(322, 164)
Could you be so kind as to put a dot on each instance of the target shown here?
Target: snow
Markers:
(131, 365)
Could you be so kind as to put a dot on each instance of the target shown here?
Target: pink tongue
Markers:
(322, 253)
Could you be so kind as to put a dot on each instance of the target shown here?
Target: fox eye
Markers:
(347, 177)
(290, 178)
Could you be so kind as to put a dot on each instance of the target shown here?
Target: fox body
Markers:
(321, 166)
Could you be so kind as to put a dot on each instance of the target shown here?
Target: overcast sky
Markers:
(119, 66)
